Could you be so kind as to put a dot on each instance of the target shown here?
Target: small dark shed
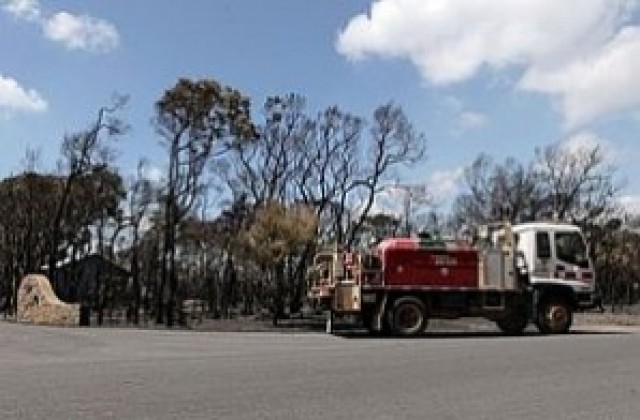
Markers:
(78, 281)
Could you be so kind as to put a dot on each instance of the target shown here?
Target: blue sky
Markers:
(495, 76)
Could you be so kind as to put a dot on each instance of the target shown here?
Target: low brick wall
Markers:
(38, 304)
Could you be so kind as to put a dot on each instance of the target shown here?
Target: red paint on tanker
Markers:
(406, 263)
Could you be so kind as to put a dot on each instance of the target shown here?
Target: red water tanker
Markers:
(399, 284)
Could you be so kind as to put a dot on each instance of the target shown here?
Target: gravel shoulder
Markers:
(588, 321)
(607, 319)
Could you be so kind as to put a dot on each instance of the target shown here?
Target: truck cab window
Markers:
(571, 249)
(543, 245)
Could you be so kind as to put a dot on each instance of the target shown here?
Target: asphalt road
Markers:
(58, 373)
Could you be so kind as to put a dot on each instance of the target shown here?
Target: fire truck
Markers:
(536, 273)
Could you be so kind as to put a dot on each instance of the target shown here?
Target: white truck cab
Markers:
(560, 274)
(556, 255)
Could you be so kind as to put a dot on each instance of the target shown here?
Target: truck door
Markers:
(572, 261)
(542, 267)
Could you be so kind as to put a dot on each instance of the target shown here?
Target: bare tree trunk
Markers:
(57, 221)
(135, 282)
(151, 285)
(612, 288)
(161, 288)
(165, 268)
(99, 297)
(299, 273)
(173, 285)
(278, 298)
(227, 284)
(211, 294)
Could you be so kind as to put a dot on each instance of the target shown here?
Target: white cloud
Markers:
(152, 173)
(23, 9)
(472, 119)
(631, 204)
(439, 189)
(570, 49)
(586, 141)
(81, 32)
(604, 82)
(14, 97)
(444, 185)
(392, 200)
(464, 119)
(76, 32)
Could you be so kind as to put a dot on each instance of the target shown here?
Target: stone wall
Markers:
(38, 304)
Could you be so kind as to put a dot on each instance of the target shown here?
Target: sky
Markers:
(503, 77)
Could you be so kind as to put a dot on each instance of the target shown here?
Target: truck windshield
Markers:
(571, 249)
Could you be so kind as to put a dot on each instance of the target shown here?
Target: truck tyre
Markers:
(369, 319)
(408, 316)
(554, 317)
(514, 324)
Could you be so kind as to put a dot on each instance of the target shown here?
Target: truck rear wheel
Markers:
(554, 317)
(408, 316)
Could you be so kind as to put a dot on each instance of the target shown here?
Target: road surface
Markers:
(64, 373)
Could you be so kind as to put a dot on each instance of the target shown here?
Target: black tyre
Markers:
(513, 324)
(369, 321)
(554, 317)
(408, 317)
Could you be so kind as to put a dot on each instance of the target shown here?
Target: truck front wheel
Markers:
(408, 316)
(554, 317)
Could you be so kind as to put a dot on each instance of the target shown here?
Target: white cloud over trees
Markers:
(585, 141)
(630, 204)
(580, 52)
